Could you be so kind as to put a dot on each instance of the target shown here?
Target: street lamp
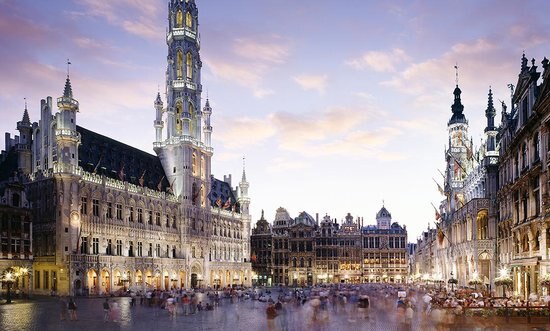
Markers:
(8, 279)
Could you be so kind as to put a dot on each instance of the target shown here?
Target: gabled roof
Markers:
(222, 190)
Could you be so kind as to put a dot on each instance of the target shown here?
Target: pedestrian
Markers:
(106, 310)
(115, 312)
(271, 313)
(72, 310)
(63, 308)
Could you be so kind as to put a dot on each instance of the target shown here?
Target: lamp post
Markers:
(8, 279)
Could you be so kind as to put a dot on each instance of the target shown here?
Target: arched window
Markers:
(179, 19)
(537, 243)
(188, 20)
(179, 65)
(194, 194)
(203, 167)
(525, 243)
(189, 64)
(191, 125)
(178, 117)
(482, 225)
(203, 196)
(194, 164)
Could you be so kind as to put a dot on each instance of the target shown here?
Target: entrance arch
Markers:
(93, 282)
(196, 275)
(106, 281)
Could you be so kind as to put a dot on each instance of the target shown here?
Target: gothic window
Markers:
(189, 65)
(203, 167)
(84, 246)
(536, 147)
(95, 246)
(150, 252)
(84, 206)
(203, 196)
(482, 225)
(119, 247)
(179, 19)
(131, 248)
(119, 211)
(109, 210)
(525, 243)
(188, 20)
(174, 221)
(179, 64)
(157, 218)
(140, 215)
(95, 207)
(191, 125)
(523, 156)
(194, 164)
(178, 117)
(140, 249)
(157, 250)
(109, 250)
(131, 216)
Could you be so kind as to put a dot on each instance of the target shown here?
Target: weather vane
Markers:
(68, 64)
(456, 73)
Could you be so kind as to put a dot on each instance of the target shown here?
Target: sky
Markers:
(338, 106)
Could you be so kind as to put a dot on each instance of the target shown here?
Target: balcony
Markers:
(67, 134)
(181, 83)
(178, 33)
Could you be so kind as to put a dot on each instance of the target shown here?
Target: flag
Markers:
(442, 175)
(121, 173)
(219, 202)
(171, 188)
(98, 162)
(159, 186)
(439, 187)
(142, 178)
(227, 203)
(437, 214)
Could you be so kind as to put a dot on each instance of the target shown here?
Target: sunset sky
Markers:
(337, 105)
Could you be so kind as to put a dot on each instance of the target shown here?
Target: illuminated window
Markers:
(188, 20)
(194, 164)
(203, 196)
(189, 65)
(178, 117)
(179, 19)
(203, 167)
(179, 64)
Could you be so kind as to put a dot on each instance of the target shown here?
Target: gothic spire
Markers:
(490, 112)
(68, 91)
(26, 119)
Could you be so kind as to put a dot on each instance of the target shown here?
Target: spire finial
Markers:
(25, 103)
(244, 173)
(383, 204)
(456, 73)
(68, 67)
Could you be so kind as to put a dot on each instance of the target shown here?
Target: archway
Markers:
(139, 278)
(182, 279)
(196, 276)
(77, 287)
(93, 282)
(106, 281)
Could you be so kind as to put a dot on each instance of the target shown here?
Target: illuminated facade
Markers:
(306, 252)
(109, 217)
(524, 225)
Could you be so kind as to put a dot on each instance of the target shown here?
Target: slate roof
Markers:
(110, 156)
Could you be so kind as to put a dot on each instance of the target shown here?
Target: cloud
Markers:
(247, 61)
(274, 51)
(379, 61)
(238, 132)
(334, 131)
(312, 82)
(283, 164)
(137, 17)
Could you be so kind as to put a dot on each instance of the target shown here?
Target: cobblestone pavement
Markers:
(44, 314)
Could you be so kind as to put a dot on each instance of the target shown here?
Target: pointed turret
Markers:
(490, 130)
(207, 129)
(457, 108)
(158, 123)
(68, 91)
(66, 134)
(24, 145)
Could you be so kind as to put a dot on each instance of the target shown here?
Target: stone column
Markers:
(543, 249)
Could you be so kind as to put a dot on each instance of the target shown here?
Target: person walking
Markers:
(106, 311)
(271, 313)
(72, 310)
(63, 308)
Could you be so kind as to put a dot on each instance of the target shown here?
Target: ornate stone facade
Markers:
(109, 217)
